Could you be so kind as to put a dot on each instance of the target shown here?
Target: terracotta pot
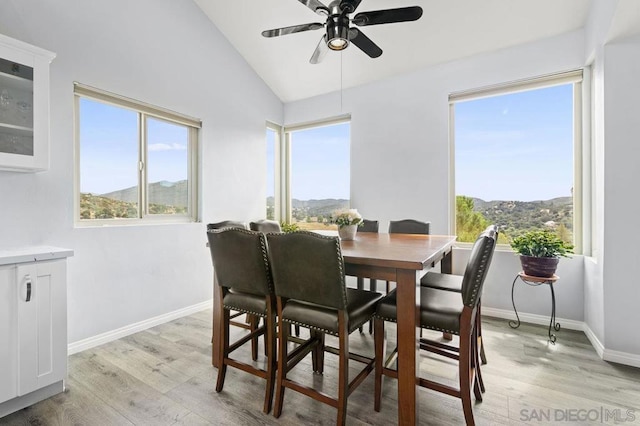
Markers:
(543, 267)
(347, 232)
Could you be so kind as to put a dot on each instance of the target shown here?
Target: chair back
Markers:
(308, 267)
(368, 226)
(226, 224)
(240, 260)
(478, 265)
(409, 226)
(265, 226)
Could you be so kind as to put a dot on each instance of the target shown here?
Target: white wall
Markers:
(621, 175)
(167, 53)
(400, 154)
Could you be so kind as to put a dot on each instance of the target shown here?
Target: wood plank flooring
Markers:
(163, 376)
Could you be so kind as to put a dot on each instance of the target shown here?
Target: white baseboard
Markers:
(112, 335)
(532, 318)
(595, 342)
(625, 358)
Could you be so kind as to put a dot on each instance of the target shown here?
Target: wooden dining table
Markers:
(403, 259)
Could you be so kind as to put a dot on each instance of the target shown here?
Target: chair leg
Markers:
(223, 342)
(360, 286)
(466, 374)
(475, 366)
(283, 337)
(343, 370)
(483, 357)
(254, 322)
(373, 286)
(477, 355)
(270, 345)
(378, 337)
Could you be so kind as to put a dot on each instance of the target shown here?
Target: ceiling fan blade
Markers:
(388, 16)
(349, 6)
(316, 6)
(320, 52)
(364, 43)
(292, 29)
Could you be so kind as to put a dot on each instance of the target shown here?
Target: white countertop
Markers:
(33, 254)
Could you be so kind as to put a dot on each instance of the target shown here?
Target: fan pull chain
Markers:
(341, 55)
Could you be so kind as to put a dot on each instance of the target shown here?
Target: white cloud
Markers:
(166, 147)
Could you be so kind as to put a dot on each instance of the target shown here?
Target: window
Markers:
(135, 162)
(517, 157)
(316, 171)
(273, 151)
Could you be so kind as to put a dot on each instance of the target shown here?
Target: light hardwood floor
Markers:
(163, 376)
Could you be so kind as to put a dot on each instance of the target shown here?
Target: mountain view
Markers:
(164, 198)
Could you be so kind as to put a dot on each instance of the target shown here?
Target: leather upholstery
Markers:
(240, 260)
(409, 226)
(368, 226)
(309, 267)
(226, 224)
(439, 309)
(265, 226)
(246, 302)
(361, 305)
(478, 265)
(447, 282)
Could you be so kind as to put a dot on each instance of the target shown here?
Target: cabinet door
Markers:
(42, 324)
(8, 333)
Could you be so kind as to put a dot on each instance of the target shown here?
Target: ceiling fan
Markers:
(338, 34)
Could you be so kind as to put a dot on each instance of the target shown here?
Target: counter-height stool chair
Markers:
(309, 281)
(251, 321)
(453, 283)
(368, 226)
(408, 226)
(445, 311)
(244, 285)
(265, 226)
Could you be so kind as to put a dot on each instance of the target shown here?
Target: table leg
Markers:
(408, 300)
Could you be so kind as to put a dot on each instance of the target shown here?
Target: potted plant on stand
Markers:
(540, 252)
(348, 221)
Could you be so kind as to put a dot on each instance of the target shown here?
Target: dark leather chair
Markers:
(251, 321)
(265, 226)
(445, 311)
(244, 285)
(368, 226)
(408, 226)
(309, 280)
(226, 224)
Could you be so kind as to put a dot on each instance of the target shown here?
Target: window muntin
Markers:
(135, 162)
(272, 137)
(517, 158)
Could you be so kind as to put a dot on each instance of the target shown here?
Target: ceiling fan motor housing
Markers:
(338, 32)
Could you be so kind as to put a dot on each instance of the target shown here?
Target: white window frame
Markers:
(278, 153)
(581, 145)
(284, 201)
(143, 110)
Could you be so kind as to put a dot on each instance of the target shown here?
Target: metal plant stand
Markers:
(535, 282)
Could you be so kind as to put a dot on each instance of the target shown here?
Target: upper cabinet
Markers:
(24, 106)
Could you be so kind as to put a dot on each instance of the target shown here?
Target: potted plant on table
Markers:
(540, 251)
(348, 221)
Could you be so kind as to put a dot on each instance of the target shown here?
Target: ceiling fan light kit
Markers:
(338, 34)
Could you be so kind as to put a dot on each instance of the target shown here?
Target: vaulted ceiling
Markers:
(448, 30)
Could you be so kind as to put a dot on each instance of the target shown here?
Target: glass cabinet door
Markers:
(16, 108)
(24, 106)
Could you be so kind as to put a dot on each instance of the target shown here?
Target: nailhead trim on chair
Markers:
(444, 330)
(233, 308)
(333, 333)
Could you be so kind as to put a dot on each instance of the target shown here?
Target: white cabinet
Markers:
(33, 323)
(24, 106)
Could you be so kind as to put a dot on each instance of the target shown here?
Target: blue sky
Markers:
(515, 147)
(109, 148)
